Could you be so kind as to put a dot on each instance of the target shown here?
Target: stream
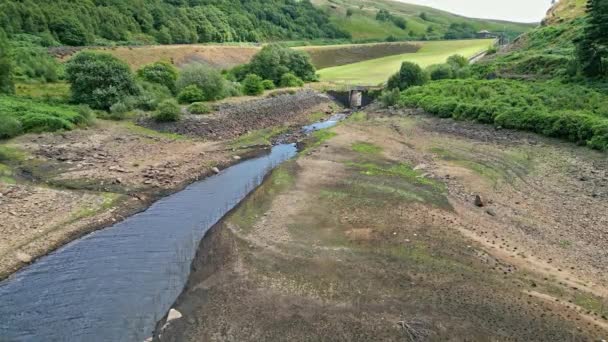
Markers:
(115, 284)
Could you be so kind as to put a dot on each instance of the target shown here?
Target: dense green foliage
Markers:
(191, 93)
(99, 80)
(199, 108)
(290, 80)
(168, 111)
(268, 85)
(25, 115)
(274, 60)
(97, 22)
(384, 15)
(162, 73)
(573, 112)
(206, 78)
(6, 66)
(252, 85)
(593, 45)
(409, 75)
(460, 31)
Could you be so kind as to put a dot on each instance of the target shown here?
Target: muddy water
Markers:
(114, 284)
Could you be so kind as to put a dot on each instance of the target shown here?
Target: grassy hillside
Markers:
(377, 71)
(534, 85)
(432, 24)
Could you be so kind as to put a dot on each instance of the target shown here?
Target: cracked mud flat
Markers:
(375, 235)
(55, 188)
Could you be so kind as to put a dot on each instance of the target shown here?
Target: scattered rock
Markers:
(23, 257)
(479, 201)
(173, 315)
(215, 170)
(491, 212)
(420, 167)
(236, 158)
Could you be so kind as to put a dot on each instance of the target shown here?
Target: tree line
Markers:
(101, 22)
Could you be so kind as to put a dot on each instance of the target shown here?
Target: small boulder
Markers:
(215, 170)
(236, 158)
(23, 257)
(479, 201)
(173, 315)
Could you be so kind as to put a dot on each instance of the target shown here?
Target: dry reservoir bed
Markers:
(375, 234)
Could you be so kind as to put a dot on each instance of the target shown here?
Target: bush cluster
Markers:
(209, 80)
(99, 79)
(199, 108)
(568, 111)
(168, 111)
(253, 85)
(20, 115)
(409, 75)
(274, 61)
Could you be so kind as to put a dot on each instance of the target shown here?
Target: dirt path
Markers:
(57, 187)
(375, 235)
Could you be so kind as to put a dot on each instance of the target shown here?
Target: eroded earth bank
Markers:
(377, 233)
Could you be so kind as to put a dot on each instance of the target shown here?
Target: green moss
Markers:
(260, 200)
(6, 174)
(357, 117)
(150, 132)
(108, 201)
(592, 303)
(366, 148)
(259, 137)
(316, 117)
(396, 170)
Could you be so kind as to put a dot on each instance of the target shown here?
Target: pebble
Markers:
(173, 315)
(23, 257)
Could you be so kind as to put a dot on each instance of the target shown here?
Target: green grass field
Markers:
(377, 71)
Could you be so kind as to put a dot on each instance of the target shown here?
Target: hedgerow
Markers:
(573, 112)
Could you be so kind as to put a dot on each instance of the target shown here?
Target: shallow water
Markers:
(116, 283)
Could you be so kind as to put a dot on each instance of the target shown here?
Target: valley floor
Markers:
(376, 234)
(57, 187)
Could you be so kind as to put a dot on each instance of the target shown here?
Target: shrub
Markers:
(162, 73)
(409, 75)
(119, 110)
(440, 72)
(457, 61)
(252, 85)
(9, 127)
(199, 108)
(168, 111)
(268, 85)
(6, 66)
(99, 80)
(273, 61)
(290, 80)
(573, 112)
(390, 97)
(209, 80)
(191, 93)
(37, 122)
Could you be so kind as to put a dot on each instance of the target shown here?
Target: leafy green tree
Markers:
(69, 31)
(6, 66)
(253, 85)
(99, 79)
(206, 78)
(408, 76)
(273, 61)
(162, 73)
(593, 45)
(349, 12)
(383, 15)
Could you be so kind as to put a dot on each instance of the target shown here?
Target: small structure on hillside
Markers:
(355, 98)
(485, 34)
